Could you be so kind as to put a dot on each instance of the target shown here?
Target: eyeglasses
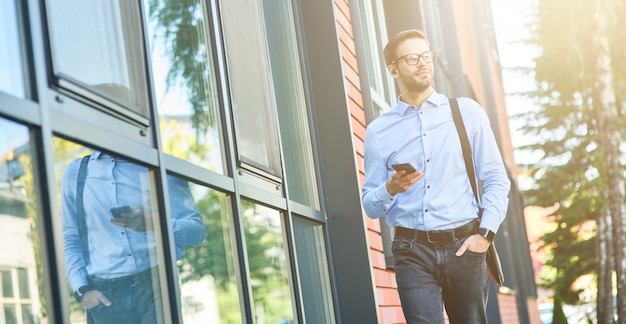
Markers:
(413, 59)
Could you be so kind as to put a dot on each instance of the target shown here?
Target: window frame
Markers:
(98, 99)
(273, 170)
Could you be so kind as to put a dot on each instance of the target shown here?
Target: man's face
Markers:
(418, 77)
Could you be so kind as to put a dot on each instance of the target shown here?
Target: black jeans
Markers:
(430, 275)
(132, 301)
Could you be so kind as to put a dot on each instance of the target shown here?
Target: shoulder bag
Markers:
(494, 267)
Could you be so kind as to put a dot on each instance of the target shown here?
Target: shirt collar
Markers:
(96, 154)
(434, 100)
(101, 155)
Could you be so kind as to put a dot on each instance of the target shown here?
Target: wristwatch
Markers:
(486, 233)
(78, 294)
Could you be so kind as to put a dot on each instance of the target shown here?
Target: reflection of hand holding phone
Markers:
(407, 167)
(135, 219)
(118, 211)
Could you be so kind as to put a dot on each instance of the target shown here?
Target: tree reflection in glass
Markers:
(209, 291)
(184, 80)
(269, 270)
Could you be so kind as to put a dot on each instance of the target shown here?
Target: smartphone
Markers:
(117, 211)
(404, 166)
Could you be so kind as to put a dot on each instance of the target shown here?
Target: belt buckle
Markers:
(428, 238)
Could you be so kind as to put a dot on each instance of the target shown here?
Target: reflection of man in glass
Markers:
(110, 255)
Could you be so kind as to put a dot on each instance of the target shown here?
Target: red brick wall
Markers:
(389, 310)
(533, 311)
(508, 308)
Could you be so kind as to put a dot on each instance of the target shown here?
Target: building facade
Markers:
(259, 108)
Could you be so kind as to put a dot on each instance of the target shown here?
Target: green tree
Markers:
(571, 128)
(558, 316)
(610, 139)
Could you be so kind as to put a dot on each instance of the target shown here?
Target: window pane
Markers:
(98, 44)
(314, 278)
(10, 314)
(291, 102)
(112, 251)
(27, 314)
(209, 287)
(21, 264)
(7, 283)
(250, 79)
(269, 271)
(11, 65)
(185, 82)
(382, 88)
(24, 283)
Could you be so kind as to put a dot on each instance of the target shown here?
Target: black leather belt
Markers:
(122, 282)
(443, 236)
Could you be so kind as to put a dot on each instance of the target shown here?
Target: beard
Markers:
(418, 82)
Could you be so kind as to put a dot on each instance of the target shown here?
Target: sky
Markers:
(511, 19)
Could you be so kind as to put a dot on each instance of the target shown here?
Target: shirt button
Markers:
(428, 187)
(426, 210)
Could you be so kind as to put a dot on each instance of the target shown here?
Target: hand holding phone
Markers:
(407, 167)
(135, 219)
(402, 182)
(118, 211)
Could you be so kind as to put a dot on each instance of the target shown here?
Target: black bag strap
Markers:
(467, 151)
(494, 268)
(80, 207)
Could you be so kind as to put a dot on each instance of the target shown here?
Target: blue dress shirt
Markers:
(116, 251)
(427, 138)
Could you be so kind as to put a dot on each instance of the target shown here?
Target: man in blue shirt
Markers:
(439, 245)
(111, 261)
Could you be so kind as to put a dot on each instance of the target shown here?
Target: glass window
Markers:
(291, 102)
(382, 87)
(313, 267)
(20, 266)
(98, 45)
(185, 82)
(110, 219)
(269, 270)
(23, 282)
(11, 61)
(10, 313)
(27, 314)
(252, 96)
(209, 289)
(7, 283)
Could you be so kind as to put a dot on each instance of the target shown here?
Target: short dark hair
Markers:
(390, 49)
